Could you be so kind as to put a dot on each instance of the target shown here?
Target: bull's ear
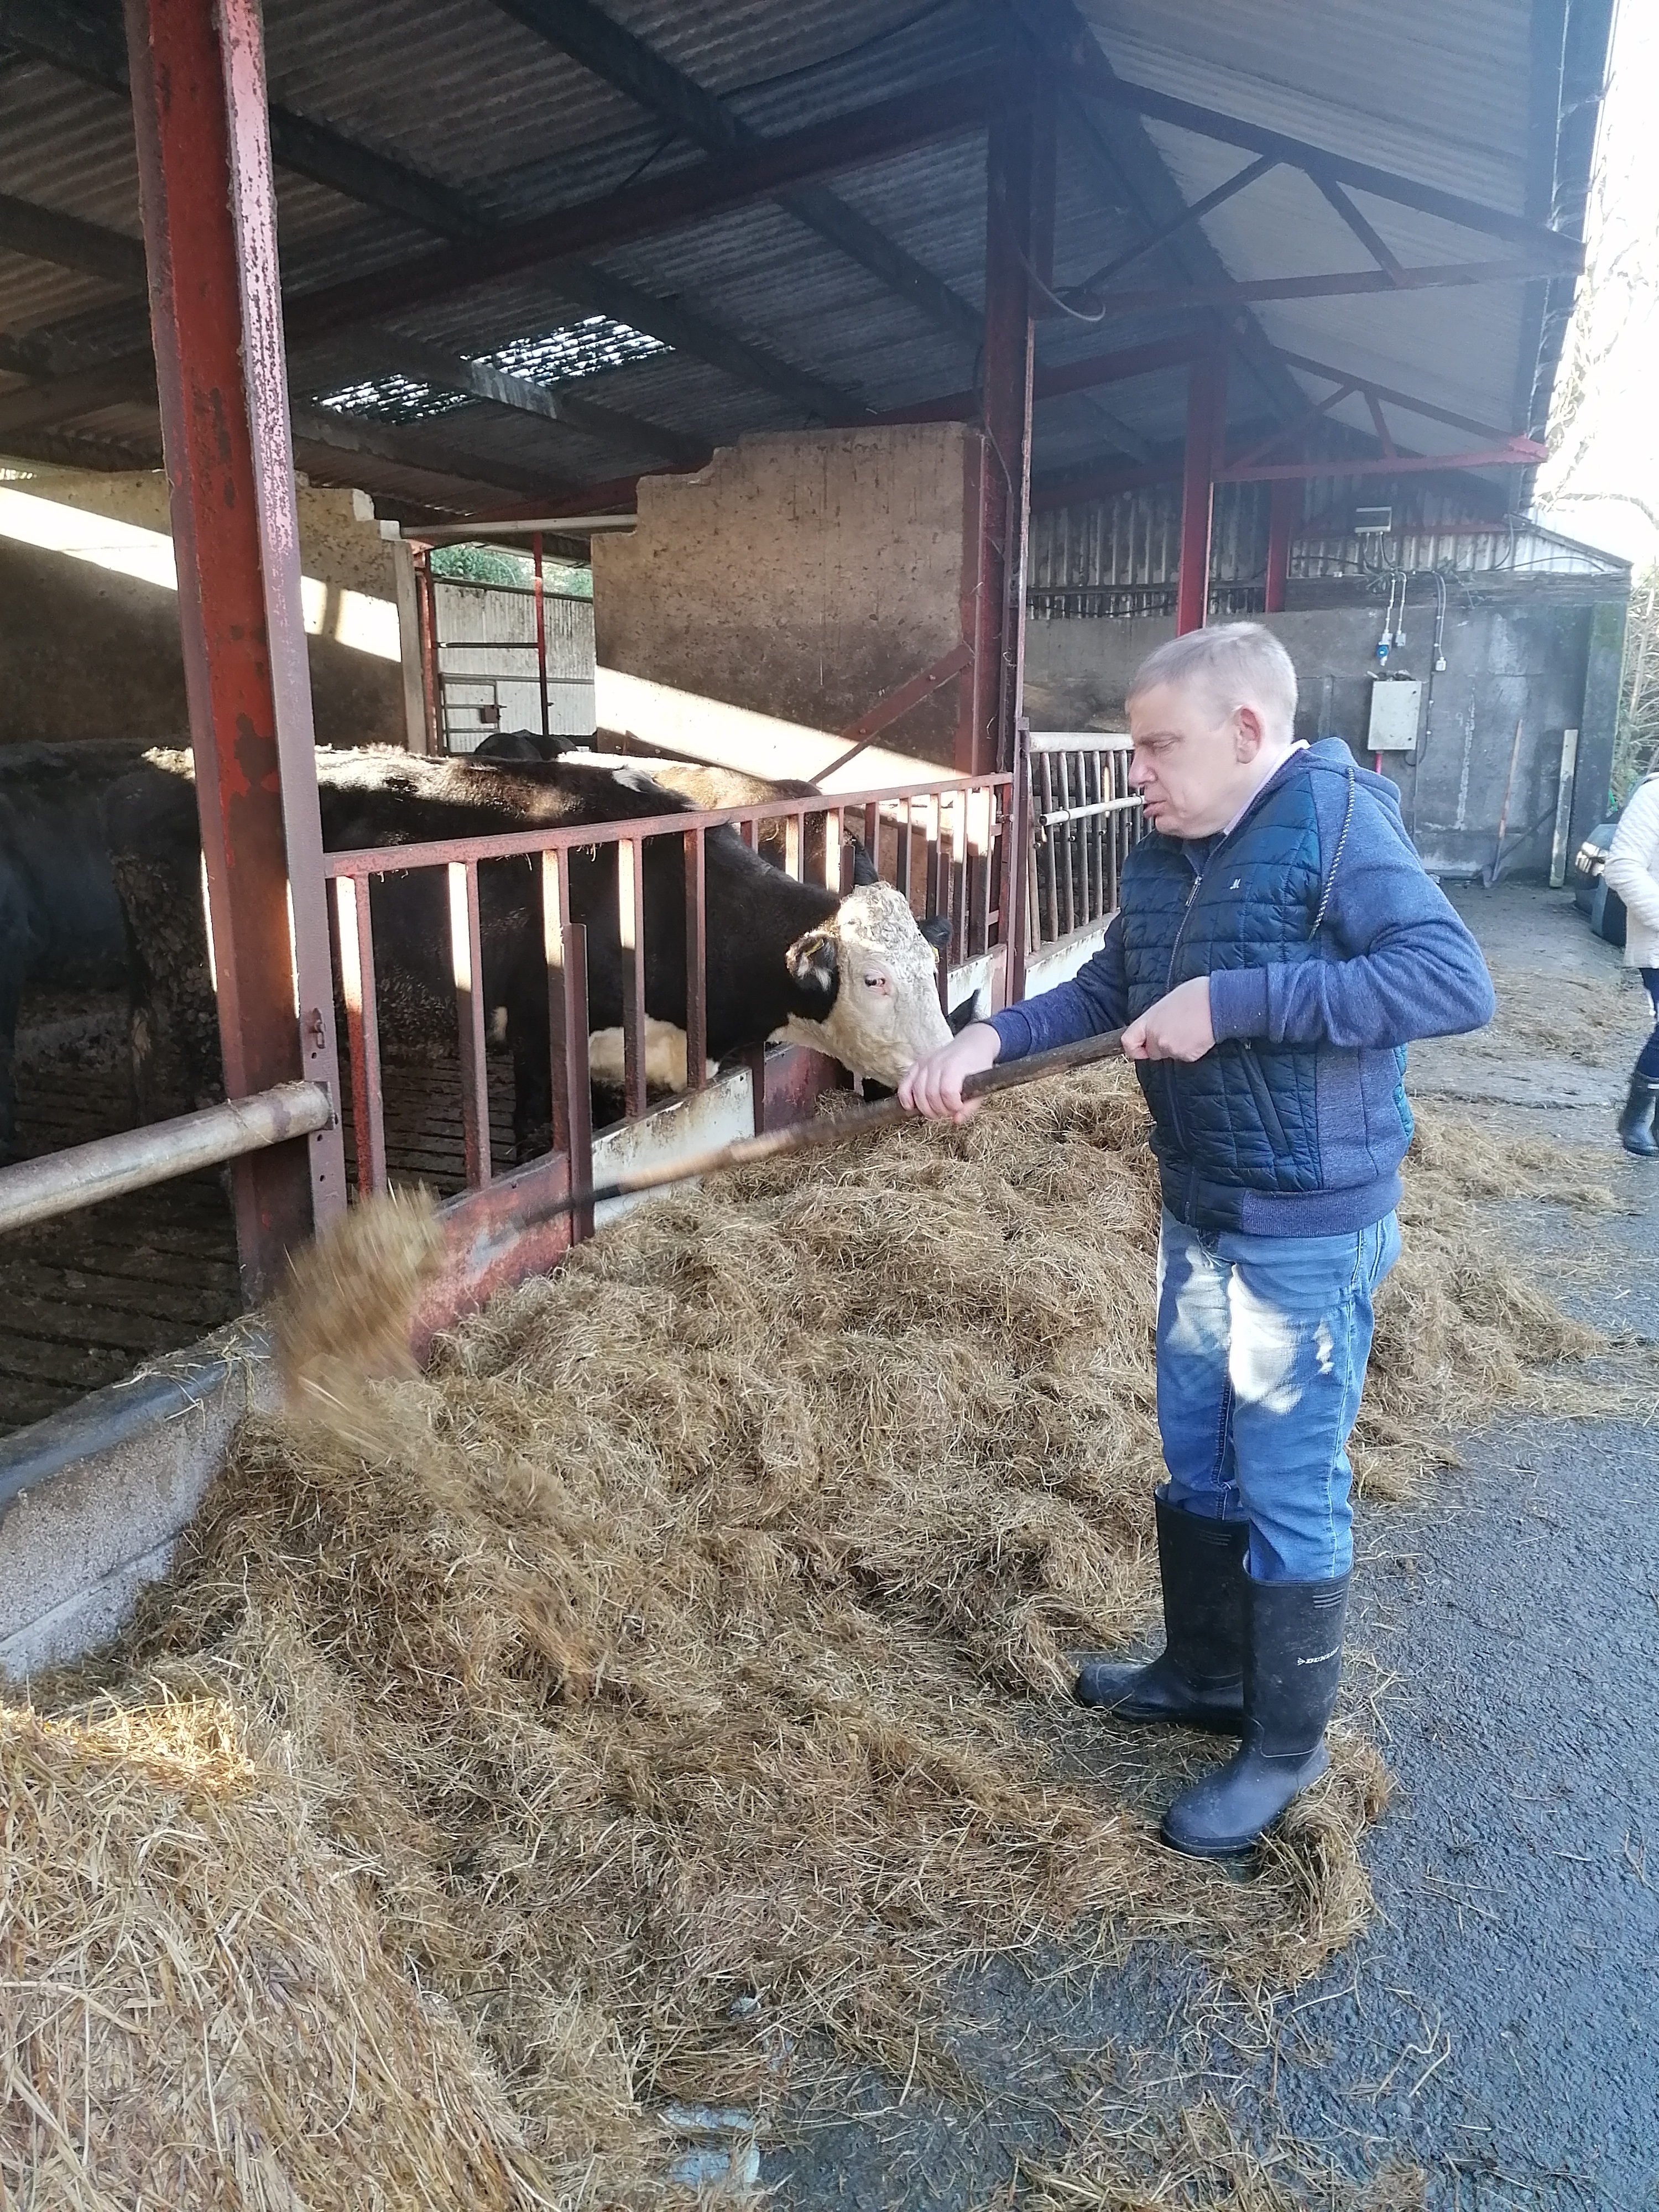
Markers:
(937, 930)
(814, 967)
(959, 1017)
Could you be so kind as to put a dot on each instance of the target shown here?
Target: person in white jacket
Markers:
(1632, 871)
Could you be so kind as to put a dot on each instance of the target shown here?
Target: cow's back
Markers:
(63, 912)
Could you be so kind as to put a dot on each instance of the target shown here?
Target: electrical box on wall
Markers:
(1396, 710)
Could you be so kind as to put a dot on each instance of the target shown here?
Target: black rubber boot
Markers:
(1636, 1122)
(1197, 1680)
(1293, 1658)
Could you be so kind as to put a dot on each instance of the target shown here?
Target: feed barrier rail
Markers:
(946, 846)
(1084, 821)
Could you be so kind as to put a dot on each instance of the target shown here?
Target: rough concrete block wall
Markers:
(88, 652)
(801, 574)
(1540, 659)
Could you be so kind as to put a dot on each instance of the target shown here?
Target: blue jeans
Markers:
(1648, 1065)
(1261, 1349)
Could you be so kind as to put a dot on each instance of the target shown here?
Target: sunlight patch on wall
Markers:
(356, 620)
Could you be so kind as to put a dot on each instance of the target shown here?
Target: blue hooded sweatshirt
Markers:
(1328, 949)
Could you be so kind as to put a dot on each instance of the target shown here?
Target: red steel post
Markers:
(209, 211)
(426, 601)
(466, 954)
(1018, 170)
(1283, 515)
(1207, 417)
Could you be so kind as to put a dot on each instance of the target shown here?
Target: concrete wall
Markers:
(801, 575)
(89, 638)
(1546, 658)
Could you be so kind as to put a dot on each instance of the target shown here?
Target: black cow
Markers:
(852, 976)
(705, 784)
(60, 920)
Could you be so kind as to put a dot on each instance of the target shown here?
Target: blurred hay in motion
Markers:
(667, 1689)
(344, 1318)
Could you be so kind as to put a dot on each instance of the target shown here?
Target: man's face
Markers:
(1193, 770)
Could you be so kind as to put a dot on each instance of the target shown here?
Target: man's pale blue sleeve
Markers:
(1096, 999)
(1405, 966)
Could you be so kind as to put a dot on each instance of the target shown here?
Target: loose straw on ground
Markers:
(661, 1700)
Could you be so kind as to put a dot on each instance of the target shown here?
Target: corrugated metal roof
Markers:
(1436, 92)
(462, 93)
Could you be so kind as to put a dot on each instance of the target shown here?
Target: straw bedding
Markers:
(666, 1694)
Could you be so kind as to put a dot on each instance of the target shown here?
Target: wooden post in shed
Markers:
(1019, 175)
(209, 208)
(1206, 430)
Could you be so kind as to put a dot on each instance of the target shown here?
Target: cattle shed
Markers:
(897, 372)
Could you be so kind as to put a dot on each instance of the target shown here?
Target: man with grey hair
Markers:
(1278, 947)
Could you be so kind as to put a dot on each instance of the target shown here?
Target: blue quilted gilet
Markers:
(1246, 1116)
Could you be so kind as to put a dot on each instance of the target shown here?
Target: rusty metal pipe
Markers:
(110, 1167)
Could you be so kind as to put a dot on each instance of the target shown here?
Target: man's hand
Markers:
(934, 1087)
(1177, 1028)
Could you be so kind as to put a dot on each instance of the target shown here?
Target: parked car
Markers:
(1605, 908)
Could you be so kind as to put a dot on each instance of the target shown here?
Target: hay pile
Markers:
(671, 1695)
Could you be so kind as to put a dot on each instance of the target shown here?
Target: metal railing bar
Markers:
(1067, 852)
(111, 1167)
(696, 964)
(983, 891)
(578, 1075)
(362, 1031)
(1064, 814)
(1099, 741)
(556, 924)
(833, 834)
(466, 954)
(630, 929)
(959, 855)
(395, 859)
(1051, 883)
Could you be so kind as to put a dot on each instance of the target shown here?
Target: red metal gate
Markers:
(952, 847)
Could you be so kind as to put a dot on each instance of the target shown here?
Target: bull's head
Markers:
(866, 985)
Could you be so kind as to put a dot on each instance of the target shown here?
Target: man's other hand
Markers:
(934, 1087)
(1177, 1028)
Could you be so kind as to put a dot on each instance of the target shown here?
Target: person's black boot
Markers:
(1293, 1658)
(1197, 1680)
(1636, 1122)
